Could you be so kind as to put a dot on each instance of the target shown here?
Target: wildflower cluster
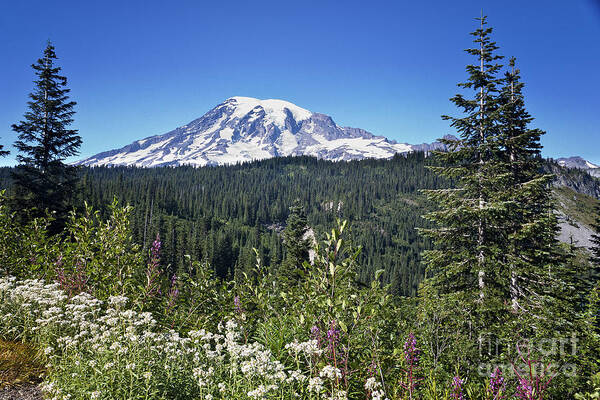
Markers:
(107, 350)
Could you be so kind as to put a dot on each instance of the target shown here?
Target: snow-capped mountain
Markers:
(578, 162)
(245, 129)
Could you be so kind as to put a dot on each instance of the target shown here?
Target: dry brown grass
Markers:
(19, 364)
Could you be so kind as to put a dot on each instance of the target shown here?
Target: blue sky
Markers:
(140, 68)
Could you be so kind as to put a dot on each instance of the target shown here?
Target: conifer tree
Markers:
(468, 237)
(543, 281)
(532, 226)
(43, 181)
(3, 153)
(297, 246)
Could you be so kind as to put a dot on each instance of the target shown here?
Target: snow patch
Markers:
(274, 109)
(287, 143)
(226, 133)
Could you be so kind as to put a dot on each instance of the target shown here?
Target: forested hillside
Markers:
(219, 214)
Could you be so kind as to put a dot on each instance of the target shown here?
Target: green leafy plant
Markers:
(594, 392)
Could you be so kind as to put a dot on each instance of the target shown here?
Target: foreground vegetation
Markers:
(111, 323)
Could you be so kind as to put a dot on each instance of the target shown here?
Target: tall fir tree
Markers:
(43, 181)
(543, 280)
(296, 244)
(468, 234)
(532, 226)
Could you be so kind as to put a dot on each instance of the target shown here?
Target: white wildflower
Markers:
(339, 395)
(258, 393)
(315, 384)
(117, 301)
(330, 372)
(371, 384)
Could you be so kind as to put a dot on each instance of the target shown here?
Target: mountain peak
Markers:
(274, 108)
(244, 129)
(576, 162)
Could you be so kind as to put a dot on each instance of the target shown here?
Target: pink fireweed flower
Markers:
(315, 334)
(533, 380)
(411, 356)
(152, 288)
(156, 245)
(173, 293)
(73, 283)
(411, 352)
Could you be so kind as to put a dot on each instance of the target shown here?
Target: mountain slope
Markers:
(577, 213)
(244, 129)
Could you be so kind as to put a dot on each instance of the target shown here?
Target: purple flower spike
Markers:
(152, 287)
(156, 245)
(333, 337)
(411, 355)
(237, 303)
(457, 391)
(173, 293)
(411, 352)
(496, 385)
(315, 332)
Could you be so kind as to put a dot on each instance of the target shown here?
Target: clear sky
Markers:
(140, 68)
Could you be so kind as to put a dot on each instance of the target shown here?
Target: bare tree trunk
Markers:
(514, 279)
(480, 229)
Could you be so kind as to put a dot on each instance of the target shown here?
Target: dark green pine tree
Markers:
(543, 281)
(3, 153)
(532, 233)
(43, 181)
(549, 287)
(296, 244)
(469, 236)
